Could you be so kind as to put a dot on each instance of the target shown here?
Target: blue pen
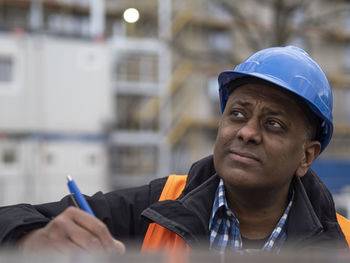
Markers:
(73, 188)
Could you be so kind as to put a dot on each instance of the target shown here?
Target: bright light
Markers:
(131, 15)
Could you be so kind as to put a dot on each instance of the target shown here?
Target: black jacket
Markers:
(312, 220)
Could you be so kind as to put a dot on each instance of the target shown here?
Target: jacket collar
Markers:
(188, 216)
(303, 222)
(312, 219)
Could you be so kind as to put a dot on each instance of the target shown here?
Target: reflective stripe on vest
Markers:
(159, 238)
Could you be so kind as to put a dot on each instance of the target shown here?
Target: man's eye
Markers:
(274, 123)
(237, 113)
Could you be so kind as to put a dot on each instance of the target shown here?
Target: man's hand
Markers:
(71, 230)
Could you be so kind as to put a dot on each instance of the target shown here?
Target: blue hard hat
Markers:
(290, 68)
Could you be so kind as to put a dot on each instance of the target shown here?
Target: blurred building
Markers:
(55, 99)
(116, 104)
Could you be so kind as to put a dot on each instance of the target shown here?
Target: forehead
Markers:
(270, 96)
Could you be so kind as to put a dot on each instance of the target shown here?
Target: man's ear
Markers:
(310, 153)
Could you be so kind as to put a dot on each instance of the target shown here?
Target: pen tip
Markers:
(69, 178)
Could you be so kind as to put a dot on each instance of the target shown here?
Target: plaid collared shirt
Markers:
(224, 227)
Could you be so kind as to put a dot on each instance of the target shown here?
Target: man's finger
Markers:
(119, 246)
(97, 228)
(83, 238)
(65, 247)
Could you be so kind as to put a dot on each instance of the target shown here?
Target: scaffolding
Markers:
(162, 68)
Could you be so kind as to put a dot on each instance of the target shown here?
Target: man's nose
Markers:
(250, 132)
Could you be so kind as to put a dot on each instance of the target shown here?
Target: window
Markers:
(213, 88)
(298, 17)
(347, 105)
(221, 41)
(134, 160)
(137, 68)
(136, 112)
(346, 58)
(92, 159)
(346, 18)
(9, 156)
(6, 69)
(49, 158)
(218, 11)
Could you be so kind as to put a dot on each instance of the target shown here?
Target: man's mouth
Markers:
(245, 157)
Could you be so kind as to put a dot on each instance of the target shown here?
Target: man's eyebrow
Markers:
(242, 103)
(274, 112)
(266, 110)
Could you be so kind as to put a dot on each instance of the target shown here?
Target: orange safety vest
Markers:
(345, 227)
(159, 238)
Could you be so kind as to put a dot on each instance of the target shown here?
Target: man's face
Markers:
(261, 139)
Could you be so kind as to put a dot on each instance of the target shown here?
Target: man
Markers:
(257, 192)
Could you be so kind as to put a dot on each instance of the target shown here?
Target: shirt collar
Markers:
(220, 201)
(221, 210)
